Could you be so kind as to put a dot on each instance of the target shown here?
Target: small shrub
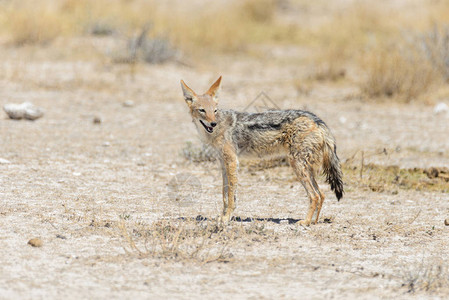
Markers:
(157, 50)
(399, 72)
(101, 28)
(179, 240)
(259, 10)
(428, 278)
(435, 46)
(197, 239)
(329, 71)
(150, 50)
(198, 153)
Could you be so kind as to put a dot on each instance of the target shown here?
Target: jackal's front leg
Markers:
(229, 171)
(225, 188)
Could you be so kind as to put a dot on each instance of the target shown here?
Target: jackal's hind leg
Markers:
(321, 199)
(306, 177)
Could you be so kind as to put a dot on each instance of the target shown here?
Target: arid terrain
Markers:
(115, 184)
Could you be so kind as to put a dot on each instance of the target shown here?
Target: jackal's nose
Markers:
(213, 124)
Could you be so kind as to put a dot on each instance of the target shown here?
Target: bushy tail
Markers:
(331, 166)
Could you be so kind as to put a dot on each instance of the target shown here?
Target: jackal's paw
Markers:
(224, 219)
(304, 223)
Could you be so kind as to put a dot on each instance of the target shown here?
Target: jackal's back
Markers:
(271, 132)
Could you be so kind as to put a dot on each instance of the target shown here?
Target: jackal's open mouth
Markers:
(208, 128)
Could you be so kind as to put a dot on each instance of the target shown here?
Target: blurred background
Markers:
(395, 50)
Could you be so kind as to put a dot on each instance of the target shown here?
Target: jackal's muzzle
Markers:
(209, 129)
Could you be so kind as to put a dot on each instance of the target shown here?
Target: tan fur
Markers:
(300, 135)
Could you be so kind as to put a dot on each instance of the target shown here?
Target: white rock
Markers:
(440, 108)
(4, 161)
(342, 120)
(128, 103)
(25, 110)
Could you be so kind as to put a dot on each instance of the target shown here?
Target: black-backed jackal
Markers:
(300, 135)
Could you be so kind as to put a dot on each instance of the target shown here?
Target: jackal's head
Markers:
(203, 108)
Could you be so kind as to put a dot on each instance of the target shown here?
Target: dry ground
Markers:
(100, 194)
(97, 194)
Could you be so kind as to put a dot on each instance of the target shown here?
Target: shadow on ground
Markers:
(201, 218)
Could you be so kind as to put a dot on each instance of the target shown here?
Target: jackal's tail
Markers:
(331, 165)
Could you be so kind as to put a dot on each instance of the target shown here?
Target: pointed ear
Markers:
(214, 90)
(189, 94)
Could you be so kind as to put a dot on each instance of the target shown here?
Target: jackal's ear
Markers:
(214, 90)
(189, 94)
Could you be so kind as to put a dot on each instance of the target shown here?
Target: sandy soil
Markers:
(73, 184)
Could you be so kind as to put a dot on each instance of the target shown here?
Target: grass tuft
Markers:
(195, 239)
(179, 240)
(428, 278)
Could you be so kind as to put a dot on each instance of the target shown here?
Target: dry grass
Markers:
(229, 28)
(259, 11)
(379, 178)
(143, 49)
(397, 72)
(197, 154)
(232, 28)
(30, 24)
(435, 47)
(196, 239)
(346, 34)
(389, 63)
(426, 277)
(359, 34)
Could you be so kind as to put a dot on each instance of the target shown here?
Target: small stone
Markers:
(128, 103)
(446, 222)
(440, 108)
(25, 110)
(4, 161)
(36, 242)
(96, 120)
(33, 113)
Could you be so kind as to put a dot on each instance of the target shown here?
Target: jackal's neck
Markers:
(215, 138)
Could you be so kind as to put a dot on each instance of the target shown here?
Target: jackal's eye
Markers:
(215, 111)
(201, 110)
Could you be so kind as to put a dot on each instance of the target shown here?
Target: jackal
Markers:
(299, 135)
